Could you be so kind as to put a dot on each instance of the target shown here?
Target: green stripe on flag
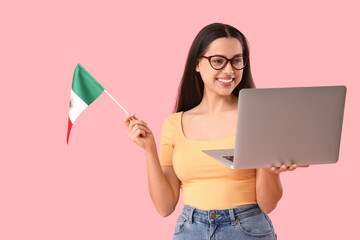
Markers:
(85, 86)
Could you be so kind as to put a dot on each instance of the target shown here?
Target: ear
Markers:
(197, 67)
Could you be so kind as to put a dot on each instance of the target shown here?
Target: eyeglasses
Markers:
(218, 62)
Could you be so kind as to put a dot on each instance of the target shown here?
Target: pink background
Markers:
(96, 188)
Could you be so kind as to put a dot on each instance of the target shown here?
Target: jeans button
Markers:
(212, 216)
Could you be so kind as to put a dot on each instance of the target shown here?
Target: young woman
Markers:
(220, 203)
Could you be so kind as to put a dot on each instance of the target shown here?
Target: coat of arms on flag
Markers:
(71, 103)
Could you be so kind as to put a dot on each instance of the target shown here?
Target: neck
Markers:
(212, 103)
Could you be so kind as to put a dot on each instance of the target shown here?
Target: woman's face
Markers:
(225, 80)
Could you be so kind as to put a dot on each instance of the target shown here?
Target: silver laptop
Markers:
(278, 126)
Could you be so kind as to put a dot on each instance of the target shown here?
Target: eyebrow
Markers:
(236, 55)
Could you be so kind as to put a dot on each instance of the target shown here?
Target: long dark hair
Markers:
(191, 87)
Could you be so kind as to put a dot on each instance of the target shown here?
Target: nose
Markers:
(228, 68)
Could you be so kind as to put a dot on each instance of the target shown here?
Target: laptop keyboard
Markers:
(230, 158)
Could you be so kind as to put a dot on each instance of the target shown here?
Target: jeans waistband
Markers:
(225, 215)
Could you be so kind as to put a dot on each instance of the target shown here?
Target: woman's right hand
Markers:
(138, 132)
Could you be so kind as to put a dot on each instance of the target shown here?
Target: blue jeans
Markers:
(242, 223)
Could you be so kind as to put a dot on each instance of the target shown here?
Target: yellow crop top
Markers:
(206, 183)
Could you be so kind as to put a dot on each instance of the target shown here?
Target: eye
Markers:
(238, 60)
(218, 60)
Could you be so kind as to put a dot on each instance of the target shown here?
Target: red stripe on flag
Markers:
(69, 129)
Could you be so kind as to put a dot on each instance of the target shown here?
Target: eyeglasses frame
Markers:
(227, 60)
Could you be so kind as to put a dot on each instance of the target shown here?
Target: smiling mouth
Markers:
(225, 80)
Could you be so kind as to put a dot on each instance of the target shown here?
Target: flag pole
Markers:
(116, 102)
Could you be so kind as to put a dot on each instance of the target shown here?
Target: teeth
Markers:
(225, 80)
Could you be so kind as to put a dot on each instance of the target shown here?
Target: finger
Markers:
(131, 132)
(135, 137)
(136, 123)
(276, 170)
(135, 128)
(127, 119)
(131, 118)
(145, 128)
(292, 167)
(142, 128)
(281, 169)
(284, 168)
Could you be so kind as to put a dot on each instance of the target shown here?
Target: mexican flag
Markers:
(85, 89)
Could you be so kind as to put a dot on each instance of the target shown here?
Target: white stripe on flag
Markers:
(78, 106)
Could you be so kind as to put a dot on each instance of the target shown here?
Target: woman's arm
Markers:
(164, 186)
(268, 189)
(268, 186)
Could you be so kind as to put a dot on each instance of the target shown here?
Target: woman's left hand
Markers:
(284, 168)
